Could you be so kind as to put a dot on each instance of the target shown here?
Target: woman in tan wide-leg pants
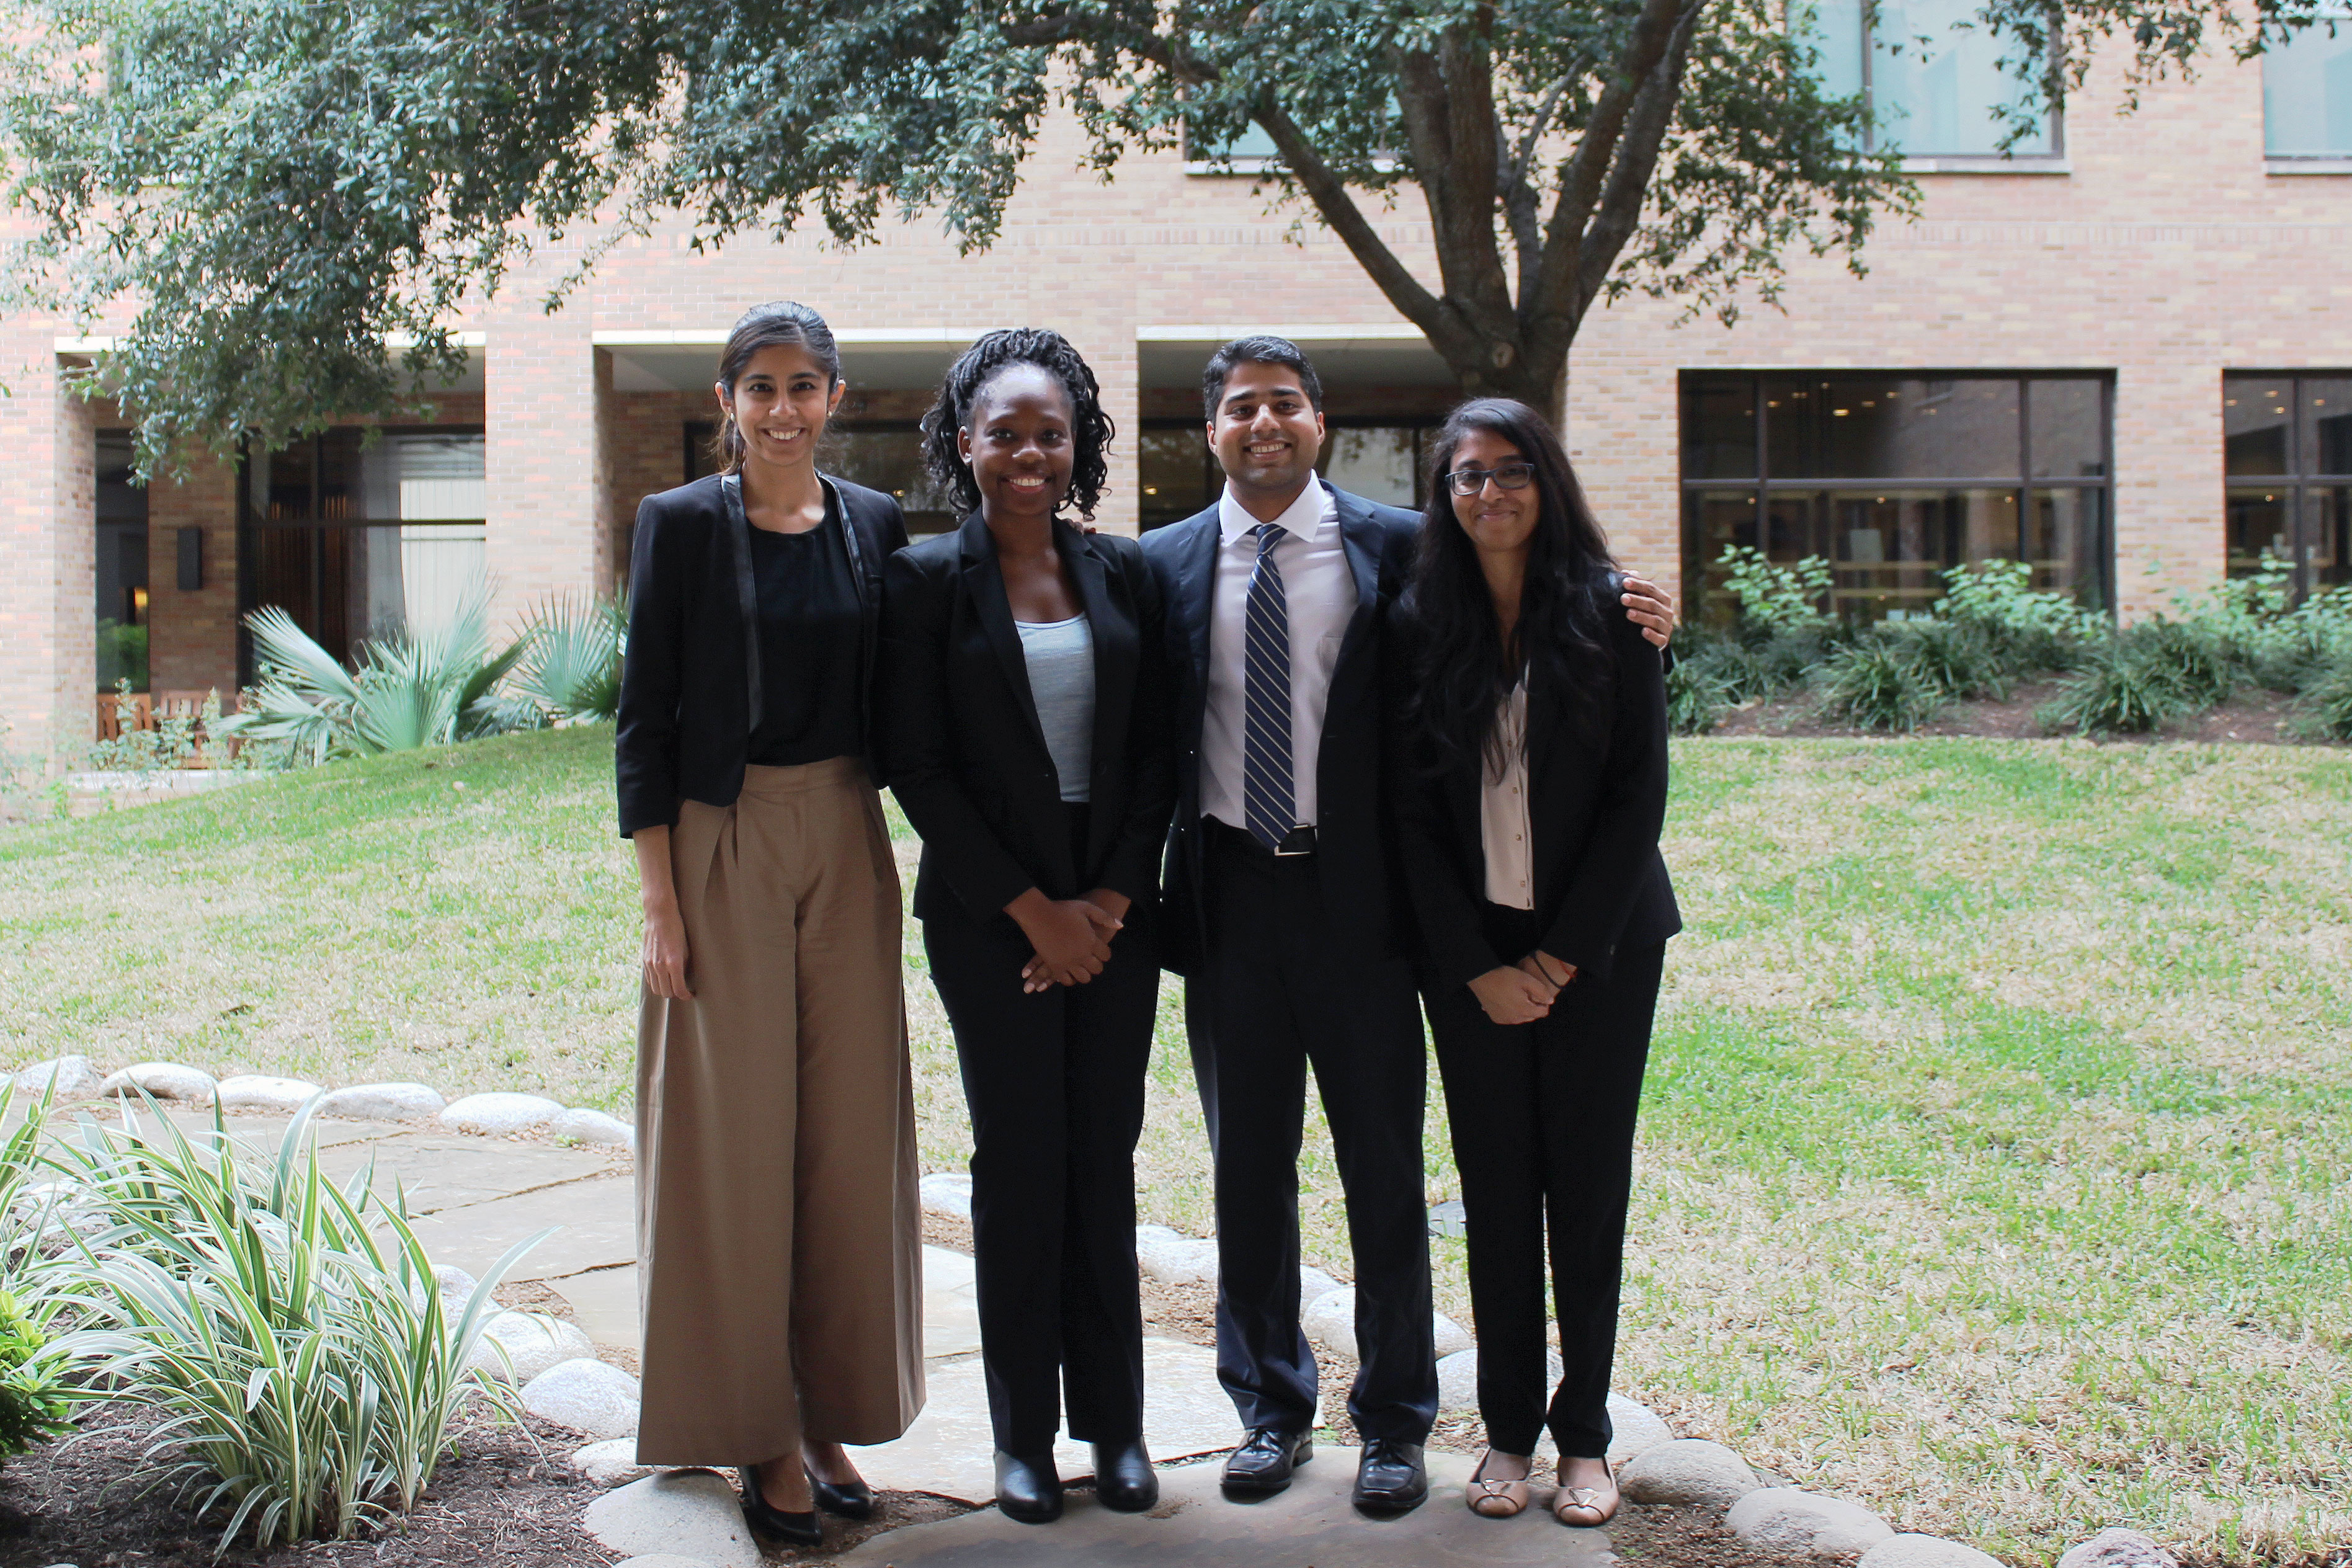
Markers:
(776, 1152)
(779, 1229)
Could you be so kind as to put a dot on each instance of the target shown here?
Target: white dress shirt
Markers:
(1503, 829)
(1320, 592)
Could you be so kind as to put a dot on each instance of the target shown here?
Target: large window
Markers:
(122, 566)
(1179, 475)
(1931, 73)
(881, 455)
(1894, 479)
(356, 538)
(2308, 92)
(2288, 454)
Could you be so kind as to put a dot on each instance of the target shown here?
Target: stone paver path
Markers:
(1312, 1525)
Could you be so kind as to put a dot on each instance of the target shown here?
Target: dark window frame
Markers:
(1815, 491)
(2303, 476)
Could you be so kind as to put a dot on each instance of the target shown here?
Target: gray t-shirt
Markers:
(1061, 658)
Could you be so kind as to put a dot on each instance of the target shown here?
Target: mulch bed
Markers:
(2252, 715)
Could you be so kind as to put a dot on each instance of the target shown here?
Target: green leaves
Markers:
(305, 202)
(288, 1332)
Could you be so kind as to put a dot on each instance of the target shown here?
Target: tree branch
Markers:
(1588, 167)
(1339, 212)
(1637, 160)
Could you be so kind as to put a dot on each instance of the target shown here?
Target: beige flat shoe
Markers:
(1585, 1507)
(1495, 1496)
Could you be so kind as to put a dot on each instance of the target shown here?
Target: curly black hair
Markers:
(1090, 428)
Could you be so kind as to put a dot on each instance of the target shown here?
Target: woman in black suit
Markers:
(1025, 744)
(1534, 742)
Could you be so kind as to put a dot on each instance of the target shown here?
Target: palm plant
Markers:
(409, 690)
(289, 1331)
(571, 664)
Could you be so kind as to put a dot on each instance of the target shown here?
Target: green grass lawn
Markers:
(1997, 1165)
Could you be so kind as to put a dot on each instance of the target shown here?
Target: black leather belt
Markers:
(1298, 845)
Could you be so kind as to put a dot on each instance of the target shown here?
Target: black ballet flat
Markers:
(773, 1523)
(853, 1500)
(1028, 1490)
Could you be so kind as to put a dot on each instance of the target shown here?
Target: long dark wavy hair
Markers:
(1090, 428)
(1462, 670)
(785, 324)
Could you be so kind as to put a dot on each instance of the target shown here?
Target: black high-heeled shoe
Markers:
(1028, 1490)
(772, 1523)
(851, 1499)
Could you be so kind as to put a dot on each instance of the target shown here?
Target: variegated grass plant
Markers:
(288, 1331)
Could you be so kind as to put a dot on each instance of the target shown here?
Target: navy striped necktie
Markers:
(1269, 794)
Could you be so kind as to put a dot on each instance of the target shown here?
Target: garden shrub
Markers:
(2323, 707)
(1697, 695)
(288, 1333)
(1958, 657)
(1774, 597)
(1872, 684)
(2128, 686)
(35, 1403)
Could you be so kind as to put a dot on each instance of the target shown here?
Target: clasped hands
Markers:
(1071, 936)
(1523, 992)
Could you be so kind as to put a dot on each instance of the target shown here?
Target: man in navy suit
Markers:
(1281, 915)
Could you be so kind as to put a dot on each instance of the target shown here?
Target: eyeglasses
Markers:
(1510, 476)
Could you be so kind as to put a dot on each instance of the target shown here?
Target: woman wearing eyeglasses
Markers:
(1533, 788)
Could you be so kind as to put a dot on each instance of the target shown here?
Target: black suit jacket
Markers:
(1595, 803)
(1351, 829)
(964, 753)
(689, 683)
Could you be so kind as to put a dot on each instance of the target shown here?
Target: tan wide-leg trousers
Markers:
(779, 1230)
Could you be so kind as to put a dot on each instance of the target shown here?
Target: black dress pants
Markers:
(1055, 1082)
(1276, 990)
(1542, 1116)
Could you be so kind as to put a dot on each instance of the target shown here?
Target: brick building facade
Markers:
(2111, 303)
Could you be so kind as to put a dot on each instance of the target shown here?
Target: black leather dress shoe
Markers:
(1125, 1481)
(1261, 1465)
(852, 1500)
(1028, 1490)
(774, 1524)
(1390, 1479)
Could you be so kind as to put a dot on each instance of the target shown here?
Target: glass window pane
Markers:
(2307, 92)
(1937, 86)
(1253, 143)
(1719, 429)
(1853, 428)
(1834, 28)
(2260, 520)
(1714, 522)
(2327, 433)
(1891, 548)
(2068, 432)
(2255, 412)
(120, 566)
(1173, 468)
(2328, 536)
(891, 461)
(1375, 463)
(2066, 542)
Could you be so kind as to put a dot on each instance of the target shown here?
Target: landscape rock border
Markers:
(71, 1079)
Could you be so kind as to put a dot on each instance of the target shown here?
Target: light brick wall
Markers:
(541, 459)
(191, 636)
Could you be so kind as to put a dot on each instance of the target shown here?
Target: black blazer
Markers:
(1351, 829)
(690, 683)
(965, 756)
(1595, 805)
